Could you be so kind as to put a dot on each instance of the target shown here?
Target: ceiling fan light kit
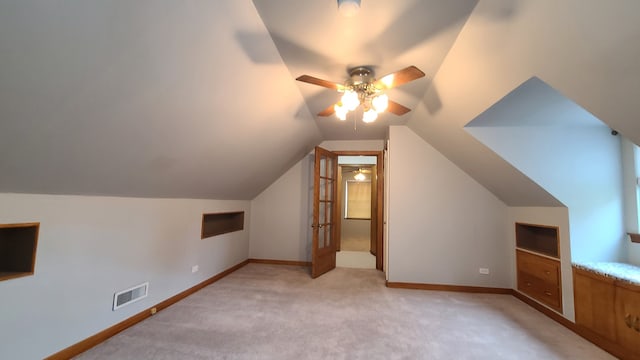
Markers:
(348, 8)
(363, 89)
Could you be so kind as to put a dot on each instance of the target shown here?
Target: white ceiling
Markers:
(198, 98)
(314, 39)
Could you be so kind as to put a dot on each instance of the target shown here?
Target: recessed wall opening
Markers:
(538, 238)
(18, 244)
(221, 223)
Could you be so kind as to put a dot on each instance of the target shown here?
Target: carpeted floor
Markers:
(355, 244)
(355, 259)
(279, 312)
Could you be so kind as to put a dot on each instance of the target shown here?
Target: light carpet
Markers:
(355, 259)
(355, 244)
(279, 312)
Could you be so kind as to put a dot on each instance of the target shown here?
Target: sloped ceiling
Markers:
(143, 98)
(198, 99)
(585, 50)
(314, 39)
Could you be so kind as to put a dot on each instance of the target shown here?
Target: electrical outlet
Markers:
(484, 271)
(194, 268)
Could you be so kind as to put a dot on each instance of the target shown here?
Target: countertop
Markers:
(619, 271)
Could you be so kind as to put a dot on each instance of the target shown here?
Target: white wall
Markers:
(581, 167)
(91, 247)
(443, 225)
(631, 169)
(553, 216)
(281, 214)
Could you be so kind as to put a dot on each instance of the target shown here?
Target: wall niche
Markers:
(18, 244)
(541, 239)
(221, 223)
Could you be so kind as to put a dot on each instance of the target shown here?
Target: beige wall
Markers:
(89, 247)
(443, 225)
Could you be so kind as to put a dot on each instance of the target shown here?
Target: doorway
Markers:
(359, 223)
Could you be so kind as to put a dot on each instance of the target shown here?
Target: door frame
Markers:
(379, 211)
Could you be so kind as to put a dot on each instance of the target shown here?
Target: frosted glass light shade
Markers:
(380, 102)
(369, 116)
(341, 111)
(350, 100)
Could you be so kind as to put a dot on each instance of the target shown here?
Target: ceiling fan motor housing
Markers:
(361, 74)
(361, 81)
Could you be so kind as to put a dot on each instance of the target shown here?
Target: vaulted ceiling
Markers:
(198, 98)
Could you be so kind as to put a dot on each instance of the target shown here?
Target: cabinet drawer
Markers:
(538, 266)
(539, 289)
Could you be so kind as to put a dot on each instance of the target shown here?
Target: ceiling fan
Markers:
(362, 88)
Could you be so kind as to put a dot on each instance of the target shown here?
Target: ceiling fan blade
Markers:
(399, 77)
(397, 109)
(327, 112)
(320, 82)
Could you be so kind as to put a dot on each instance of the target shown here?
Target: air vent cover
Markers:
(131, 295)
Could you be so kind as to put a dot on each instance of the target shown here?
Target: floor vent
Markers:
(126, 297)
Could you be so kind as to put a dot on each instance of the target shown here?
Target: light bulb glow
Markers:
(360, 177)
(380, 102)
(350, 100)
(387, 80)
(369, 116)
(341, 111)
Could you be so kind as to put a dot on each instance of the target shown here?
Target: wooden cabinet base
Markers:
(539, 278)
(608, 312)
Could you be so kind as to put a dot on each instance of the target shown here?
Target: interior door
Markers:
(323, 253)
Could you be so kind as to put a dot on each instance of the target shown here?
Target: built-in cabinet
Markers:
(609, 308)
(594, 298)
(539, 278)
(628, 316)
(538, 265)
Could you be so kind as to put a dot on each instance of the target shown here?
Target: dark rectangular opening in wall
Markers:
(221, 223)
(18, 244)
(542, 239)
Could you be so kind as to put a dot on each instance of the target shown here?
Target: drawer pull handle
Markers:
(548, 293)
(528, 284)
(627, 320)
(548, 272)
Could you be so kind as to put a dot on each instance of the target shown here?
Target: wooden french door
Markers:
(323, 253)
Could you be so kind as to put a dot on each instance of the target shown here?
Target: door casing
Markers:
(376, 209)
